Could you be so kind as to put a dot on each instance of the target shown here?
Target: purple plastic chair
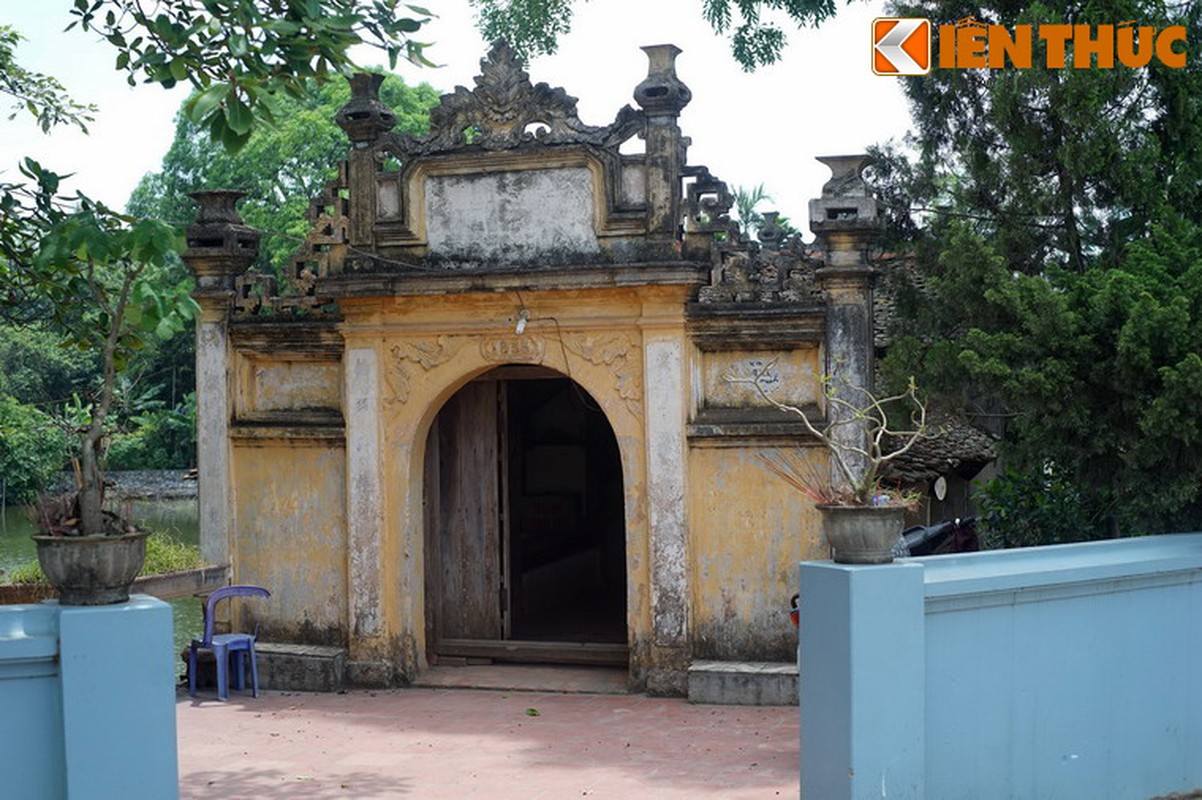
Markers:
(226, 646)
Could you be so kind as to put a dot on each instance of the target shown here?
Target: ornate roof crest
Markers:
(505, 111)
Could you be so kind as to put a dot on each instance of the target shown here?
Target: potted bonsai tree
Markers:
(102, 279)
(862, 515)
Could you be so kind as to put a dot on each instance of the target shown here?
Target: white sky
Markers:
(764, 127)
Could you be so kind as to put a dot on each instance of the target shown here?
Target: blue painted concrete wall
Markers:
(1061, 672)
(88, 701)
(31, 717)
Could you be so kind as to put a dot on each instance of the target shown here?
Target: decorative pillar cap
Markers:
(219, 245)
(365, 116)
(846, 203)
(661, 93)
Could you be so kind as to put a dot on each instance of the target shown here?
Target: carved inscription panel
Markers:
(514, 349)
(519, 217)
(293, 386)
(789, 376)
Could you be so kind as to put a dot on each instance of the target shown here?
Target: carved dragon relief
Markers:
(612, 350)
(426, 353)
(499, 113)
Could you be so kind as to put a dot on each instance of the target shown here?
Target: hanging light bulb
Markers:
(523, 318)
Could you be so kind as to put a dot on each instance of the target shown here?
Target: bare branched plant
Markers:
(862, 435)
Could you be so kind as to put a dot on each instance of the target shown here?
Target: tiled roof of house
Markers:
(956, 448)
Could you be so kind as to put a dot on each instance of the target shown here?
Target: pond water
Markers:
(177, 517)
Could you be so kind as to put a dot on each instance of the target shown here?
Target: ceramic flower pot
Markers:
(862, 534)
(92, 570)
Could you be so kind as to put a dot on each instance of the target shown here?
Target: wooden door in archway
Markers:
(525, 536)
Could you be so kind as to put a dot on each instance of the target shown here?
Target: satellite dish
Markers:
(940, 488)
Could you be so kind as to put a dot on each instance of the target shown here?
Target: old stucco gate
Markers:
(369, 425)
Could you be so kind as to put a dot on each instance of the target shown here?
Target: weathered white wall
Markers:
(294, 385)
(511, 216)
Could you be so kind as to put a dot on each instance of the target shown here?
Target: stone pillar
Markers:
(219, 248)
(846, 219)
(364, 118)
(364, 522)
(667, 453)
(662, 96)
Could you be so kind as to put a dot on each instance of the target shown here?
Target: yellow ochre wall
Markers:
(746, 529)
(290, 536)
(429, 347)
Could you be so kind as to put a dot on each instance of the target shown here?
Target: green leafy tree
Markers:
(160, 438)
(32, 449)
(281, 168)
(243, 56)
(35, 367)
(1037, 507)
(746, 200)
(103, 278)
(114, 265)
(755, 28)
(1056, 221)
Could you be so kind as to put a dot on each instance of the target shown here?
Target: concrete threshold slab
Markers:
(743, 683)
(301, 668)
(527, 678)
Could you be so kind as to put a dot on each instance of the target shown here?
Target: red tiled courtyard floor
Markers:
(432, 743)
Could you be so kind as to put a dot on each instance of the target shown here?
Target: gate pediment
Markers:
(506, 111)
(509, 175)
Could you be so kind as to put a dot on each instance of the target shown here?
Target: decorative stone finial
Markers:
(365, 117)
(217, 205)
(771, 234)
(661, 92)
(219, 245)
(847, 175)
(846, 202)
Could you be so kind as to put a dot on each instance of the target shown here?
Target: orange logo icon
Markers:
(901, 46)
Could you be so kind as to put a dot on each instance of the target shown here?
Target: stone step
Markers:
(301, 667)
(743, 683)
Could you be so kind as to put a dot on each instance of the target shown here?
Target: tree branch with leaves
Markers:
(240, 55)
(102, 274)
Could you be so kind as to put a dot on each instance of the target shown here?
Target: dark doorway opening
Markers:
(567, 543)
(526, 539)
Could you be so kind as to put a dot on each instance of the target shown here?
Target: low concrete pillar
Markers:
(88, 694)
(118, 700)
(863, 669)
(31, 736)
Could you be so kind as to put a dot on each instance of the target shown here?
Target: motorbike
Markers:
(950, 536)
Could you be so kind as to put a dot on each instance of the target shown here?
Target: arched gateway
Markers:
(525, 524)
(487, 415)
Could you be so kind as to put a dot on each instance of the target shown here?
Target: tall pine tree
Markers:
(1056, 219)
